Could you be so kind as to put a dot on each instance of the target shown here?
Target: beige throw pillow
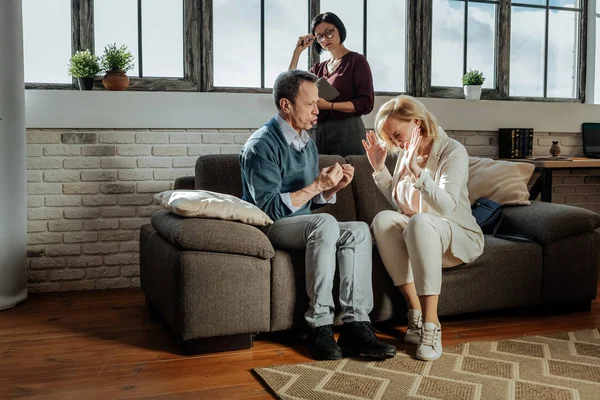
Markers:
(203, 203)
(504, 182)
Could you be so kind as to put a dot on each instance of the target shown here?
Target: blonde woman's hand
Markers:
(376, 153)
(412, 159)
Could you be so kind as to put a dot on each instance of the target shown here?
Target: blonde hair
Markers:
(405, 108)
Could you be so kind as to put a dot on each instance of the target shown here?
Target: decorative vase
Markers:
(472, 92)
(115, 80)
(555, 149)
(86, 83)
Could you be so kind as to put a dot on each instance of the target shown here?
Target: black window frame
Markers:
(198, 51)
(82, 38)
(503, 36)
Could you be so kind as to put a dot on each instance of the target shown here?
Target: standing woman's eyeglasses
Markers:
(327, 34)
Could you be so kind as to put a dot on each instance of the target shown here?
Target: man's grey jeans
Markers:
(325, 240)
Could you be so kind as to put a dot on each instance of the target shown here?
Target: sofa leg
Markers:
(218, 344)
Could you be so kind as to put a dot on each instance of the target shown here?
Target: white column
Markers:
(13, 172)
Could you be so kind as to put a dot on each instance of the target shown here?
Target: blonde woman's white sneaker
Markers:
(413, 332)
(430, 347)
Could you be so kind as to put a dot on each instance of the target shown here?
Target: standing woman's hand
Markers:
(303, 42)
(376, 153)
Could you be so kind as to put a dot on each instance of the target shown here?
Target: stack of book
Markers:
(515, 142)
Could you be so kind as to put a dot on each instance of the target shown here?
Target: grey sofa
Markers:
(216, 283)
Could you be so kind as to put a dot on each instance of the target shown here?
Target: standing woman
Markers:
(340, 129)
(432, 226)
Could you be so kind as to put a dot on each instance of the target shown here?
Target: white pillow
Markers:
(203, 203)
(504, 182)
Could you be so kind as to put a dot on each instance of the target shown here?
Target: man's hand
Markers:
(330, 177)
(348, 175)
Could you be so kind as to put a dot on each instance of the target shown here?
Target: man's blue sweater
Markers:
(270, 166)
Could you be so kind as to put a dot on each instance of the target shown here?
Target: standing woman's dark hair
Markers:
(340, 129)
(332, 19)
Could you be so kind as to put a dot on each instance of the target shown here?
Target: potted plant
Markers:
(472, 82)
(84, 66)
(116, 61)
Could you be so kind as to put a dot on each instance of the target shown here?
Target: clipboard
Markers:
(326, 91)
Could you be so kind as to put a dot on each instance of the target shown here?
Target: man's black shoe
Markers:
(359, 338)
(323, 344)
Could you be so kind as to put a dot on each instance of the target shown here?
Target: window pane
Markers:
(533, 2)
(528, 27)
(386, 44)
(351, 13)
(563, 53)
(162, 49)
(47, 40)
(447, 43)
(117, 27)
(566, 3)
(236, 43)
(281, 35)
(481, 41)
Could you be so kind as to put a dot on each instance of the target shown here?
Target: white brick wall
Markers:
(90, 191)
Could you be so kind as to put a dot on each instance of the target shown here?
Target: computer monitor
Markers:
(590, 132)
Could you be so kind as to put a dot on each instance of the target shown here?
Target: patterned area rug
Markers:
(554, 366)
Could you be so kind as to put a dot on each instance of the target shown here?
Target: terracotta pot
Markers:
(115, 80)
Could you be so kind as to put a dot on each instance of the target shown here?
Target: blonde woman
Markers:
(432, 226)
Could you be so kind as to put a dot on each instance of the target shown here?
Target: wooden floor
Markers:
(108, 345)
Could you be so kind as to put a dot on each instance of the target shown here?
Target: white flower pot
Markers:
(472, 92)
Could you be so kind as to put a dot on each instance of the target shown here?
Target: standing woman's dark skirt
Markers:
(342, 137)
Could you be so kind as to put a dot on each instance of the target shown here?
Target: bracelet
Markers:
(331, 106)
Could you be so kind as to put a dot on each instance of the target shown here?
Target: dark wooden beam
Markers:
(206, 37)
(82, 25)
(503, 53)
(583, 52)
(192, 67)
(314, 9)
(424, 57)
(412, 49)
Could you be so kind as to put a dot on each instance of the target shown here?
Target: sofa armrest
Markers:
(548, 222)
(185, 183)
(212, 235)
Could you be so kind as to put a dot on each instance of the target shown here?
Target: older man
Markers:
(280, 174)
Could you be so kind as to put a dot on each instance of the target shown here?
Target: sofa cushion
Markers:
(207, 204)
(219, 173)
(504, 182)
(368, 199)
(548, 222)
(212, 235)
(507, 274)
